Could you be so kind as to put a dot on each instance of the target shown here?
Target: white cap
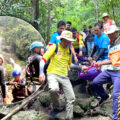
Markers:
(105, 15)
(112, 29)
(67, 35)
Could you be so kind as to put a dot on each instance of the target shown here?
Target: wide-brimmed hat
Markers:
(105, 15)
(67, 35)
(112, 29)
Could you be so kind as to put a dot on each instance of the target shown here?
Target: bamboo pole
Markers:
(25, 102)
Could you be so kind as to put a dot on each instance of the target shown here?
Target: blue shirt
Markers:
(102, 42)
(54, 39)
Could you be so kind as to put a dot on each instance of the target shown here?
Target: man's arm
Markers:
(94, 50)
(100, 54)
(44, 59)
(74, 54)
(104, 62)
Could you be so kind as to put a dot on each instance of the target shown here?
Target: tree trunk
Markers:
(113, 9)
(48, 23)
(35, 6)
(96, 8)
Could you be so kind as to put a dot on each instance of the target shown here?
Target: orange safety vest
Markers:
(115, 57)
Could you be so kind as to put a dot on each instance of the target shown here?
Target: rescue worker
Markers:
(19, 86)
(108, 22)
(32, 68)
(113, 71)
(57, 73)
(101, 43)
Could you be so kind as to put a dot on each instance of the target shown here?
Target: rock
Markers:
(29, 115)
(45, 99)
(61, 115)
(95, 118)
(107, 106)
(73, 75)
(4, 109)
(80, 91)
(78, 111)
(84, 103)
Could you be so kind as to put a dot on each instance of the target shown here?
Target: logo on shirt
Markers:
(58, 53)
(105, 42)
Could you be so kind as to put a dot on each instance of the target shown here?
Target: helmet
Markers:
(36, 44)
(16, 73)
(105, 15)
(1, 57)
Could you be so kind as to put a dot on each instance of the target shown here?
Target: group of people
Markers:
(22, 85)
(101, 47)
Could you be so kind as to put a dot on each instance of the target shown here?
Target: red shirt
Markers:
(107, 25)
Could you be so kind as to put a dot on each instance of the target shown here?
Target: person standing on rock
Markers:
(108, 22)
(32, 67)
(113, 71)
(2, 80)
(57, 73)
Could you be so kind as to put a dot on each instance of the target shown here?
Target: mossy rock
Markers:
(45, 99)
(84, 103)
(78, 111)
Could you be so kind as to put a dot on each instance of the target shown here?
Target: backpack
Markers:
(31, 71)
(48, 62)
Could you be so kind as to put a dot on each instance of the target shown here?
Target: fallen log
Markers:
(25, 102)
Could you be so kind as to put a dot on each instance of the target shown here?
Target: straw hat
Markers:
(112, 29)
(67, 35)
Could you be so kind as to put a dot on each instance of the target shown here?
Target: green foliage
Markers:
(79, 12)
(9, 67)
(8, 72)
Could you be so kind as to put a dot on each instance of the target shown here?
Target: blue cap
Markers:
(16, 73)
(36, 44)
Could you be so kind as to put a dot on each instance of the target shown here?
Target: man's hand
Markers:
(80, 53)
(42, 78)
(90, 58)
(12, 83)
(99, 63)
(94, 63)
(84, 68)
(4, 100)
(76, 60)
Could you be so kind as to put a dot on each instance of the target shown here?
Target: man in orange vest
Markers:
(112, 73)
(108, 22)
